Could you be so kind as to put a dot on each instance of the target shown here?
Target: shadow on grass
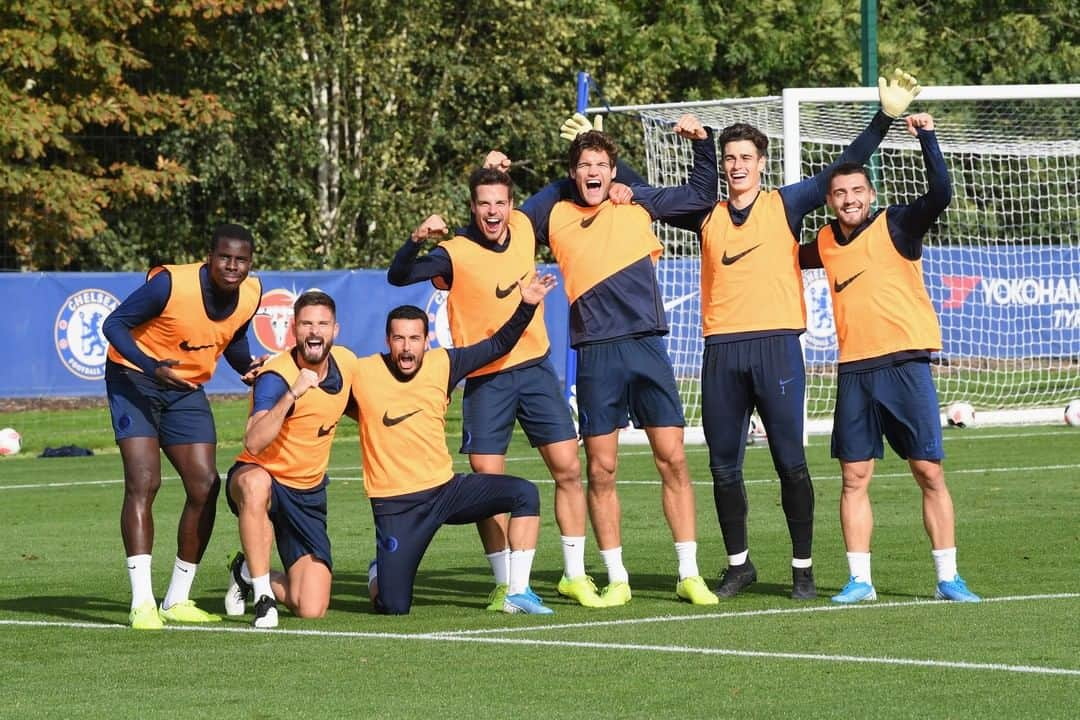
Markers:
(74, 608)
(457, 587)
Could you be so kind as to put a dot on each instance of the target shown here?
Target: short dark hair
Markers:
(849, 168)
(406, 312)
(314, 297)
(593, 140)
(489, 176)
(743, 131)
(232, 231)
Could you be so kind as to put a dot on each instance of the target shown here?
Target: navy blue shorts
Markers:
(405, 525)
(899, 402)
(298, 517)
(626, 379)
(532, 395)
(142, 407)
(762, 373)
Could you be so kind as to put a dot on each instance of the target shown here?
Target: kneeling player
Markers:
(402, 397)
(277, 488)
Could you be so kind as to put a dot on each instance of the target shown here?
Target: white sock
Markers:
(802, 562)
(738, 558)
(520, 568)
(500, 566)
(573, 555)
(183, 575)
(142, 589)
(372, 578)
(945, 563)
(686, 552)
(262, 586)
(616, 572)
(859, 565)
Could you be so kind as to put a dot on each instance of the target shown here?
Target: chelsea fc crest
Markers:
(439, 320)
(78, 334)
(820, 328)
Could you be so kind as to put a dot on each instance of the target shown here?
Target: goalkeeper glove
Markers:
(578, 123)
(897, 94)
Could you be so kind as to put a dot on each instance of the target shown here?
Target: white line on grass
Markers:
(682, 649)
(956, 664)
(751, 613)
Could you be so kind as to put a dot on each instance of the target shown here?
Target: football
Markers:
(1072, 413)
(960, 414)
(756, 432)
(10, 441)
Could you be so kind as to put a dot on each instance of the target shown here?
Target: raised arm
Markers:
(908, 224)
(407, 268)
(803, 197)
(472, 357)
(698, 194)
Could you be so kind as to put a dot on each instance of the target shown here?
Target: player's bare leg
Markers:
(564, 465)
(856, 513)
(306, 587)
(937, 506)
(494, 532)
(142, 479)
(857, 525)
(602, 462)
(939, 519)
(195, 462)
(680, 510)
(250, 489)
(677, 494)
(571, 511)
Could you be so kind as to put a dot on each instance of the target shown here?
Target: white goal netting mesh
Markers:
(1002, 265)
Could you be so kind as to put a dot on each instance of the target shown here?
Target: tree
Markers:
(71, 75)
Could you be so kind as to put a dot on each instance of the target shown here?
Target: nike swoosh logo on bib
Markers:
(187, 347)
(839, 286)
(392, 421)
(731, 259)
(501, 293)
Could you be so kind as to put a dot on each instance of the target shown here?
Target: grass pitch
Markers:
(65, 650)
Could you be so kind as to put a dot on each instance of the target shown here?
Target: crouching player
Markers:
(277, 488)
(402, 397)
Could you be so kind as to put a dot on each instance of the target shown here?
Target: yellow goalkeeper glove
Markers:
(578, 123)
(897, 94)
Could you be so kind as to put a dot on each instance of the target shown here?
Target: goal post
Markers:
(1002, 264)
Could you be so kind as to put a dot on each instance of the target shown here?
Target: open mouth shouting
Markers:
(314, 349)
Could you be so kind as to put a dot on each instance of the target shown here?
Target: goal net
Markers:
(1002, 265)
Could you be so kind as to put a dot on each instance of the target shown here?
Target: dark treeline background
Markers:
(131, 127)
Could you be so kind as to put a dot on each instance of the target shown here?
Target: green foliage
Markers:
(332, 129)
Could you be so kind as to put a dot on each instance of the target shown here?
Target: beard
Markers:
(315, 355)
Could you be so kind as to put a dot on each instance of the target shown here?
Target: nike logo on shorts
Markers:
(839, 286)
(392, 421)
(732, 259)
